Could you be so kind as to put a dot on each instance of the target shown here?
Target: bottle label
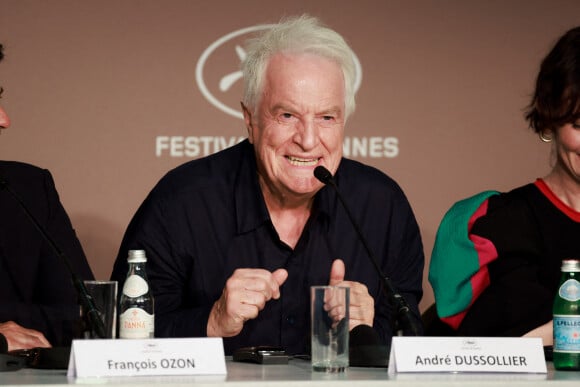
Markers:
(135, 323)
(570, 290)
(566, 333)
(135, 286)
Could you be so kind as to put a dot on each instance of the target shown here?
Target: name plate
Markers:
(184, 356)
(467, 354)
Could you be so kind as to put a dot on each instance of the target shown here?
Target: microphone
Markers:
(86, 301)
(403, 316)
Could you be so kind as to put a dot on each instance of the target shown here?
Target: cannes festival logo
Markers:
(217, 90)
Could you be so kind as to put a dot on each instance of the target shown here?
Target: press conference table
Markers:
(297, 372)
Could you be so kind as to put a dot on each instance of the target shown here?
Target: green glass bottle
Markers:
(567, 318)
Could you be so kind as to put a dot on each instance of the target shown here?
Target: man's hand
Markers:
(19, 337)
(244, 296)
(362, 305)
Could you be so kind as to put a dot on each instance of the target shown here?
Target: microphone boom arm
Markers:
(403, 311)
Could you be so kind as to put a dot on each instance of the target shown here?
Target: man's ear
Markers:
(248, 122)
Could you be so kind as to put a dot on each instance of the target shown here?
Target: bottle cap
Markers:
(136, 256)
(569, 265)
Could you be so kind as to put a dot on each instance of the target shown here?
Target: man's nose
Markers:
(307, 135)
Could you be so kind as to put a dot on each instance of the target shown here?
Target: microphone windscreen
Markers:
(323, 174)
(366, 349)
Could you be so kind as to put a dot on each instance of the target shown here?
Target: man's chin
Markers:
(305, 187)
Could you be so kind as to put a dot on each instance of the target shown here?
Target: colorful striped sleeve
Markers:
(458, 268)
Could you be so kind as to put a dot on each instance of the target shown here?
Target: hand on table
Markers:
(19, 337)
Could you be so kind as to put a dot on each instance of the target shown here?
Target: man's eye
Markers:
(286, 115)
(328, 118)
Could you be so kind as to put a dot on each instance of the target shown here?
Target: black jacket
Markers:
(36, 290)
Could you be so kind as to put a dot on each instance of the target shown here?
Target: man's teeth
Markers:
(301, 162)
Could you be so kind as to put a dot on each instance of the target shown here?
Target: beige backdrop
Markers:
(104, 94)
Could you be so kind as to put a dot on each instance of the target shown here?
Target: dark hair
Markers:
(556, 100)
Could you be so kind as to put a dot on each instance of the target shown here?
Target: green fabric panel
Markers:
(454, 259)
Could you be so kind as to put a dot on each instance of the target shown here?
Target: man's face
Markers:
(4, 120)
(298, 124)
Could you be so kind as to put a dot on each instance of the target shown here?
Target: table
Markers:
(297, 372)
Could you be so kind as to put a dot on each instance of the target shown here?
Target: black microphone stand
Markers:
(403, 316)
(95, 321)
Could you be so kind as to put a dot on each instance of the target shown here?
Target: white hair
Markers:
(302, 34)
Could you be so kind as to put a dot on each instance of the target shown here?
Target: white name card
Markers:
(108, 357)
(467, 354)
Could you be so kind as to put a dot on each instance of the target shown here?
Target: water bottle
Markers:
(136, 312)
(567, 318)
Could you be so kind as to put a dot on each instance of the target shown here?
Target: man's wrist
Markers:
(212, 328)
